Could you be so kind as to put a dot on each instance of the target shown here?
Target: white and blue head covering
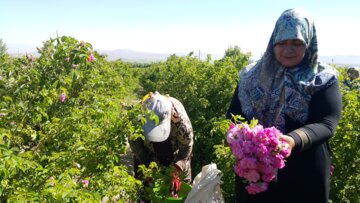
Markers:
(161, 106)
(270, 92)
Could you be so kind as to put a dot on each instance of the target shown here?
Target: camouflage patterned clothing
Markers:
(353, 72)
(177, 149)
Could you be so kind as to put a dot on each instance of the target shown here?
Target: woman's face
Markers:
(289, 53)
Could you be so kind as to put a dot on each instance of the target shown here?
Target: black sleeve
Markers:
(324, 115)
(235, 106)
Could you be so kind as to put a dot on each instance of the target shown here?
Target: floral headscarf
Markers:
(270, 92)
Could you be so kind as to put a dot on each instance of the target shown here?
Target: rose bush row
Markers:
(65, 116)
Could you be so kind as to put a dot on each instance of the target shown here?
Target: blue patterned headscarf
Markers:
(270, 92)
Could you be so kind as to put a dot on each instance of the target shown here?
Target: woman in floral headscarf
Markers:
(289, 89)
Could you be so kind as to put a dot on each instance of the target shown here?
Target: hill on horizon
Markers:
(138, 56)
(148, 57)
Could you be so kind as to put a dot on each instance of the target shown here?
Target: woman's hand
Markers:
(175, 116)
(177, 167)
(290, 141)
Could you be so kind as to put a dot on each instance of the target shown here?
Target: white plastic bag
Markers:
(206, 186)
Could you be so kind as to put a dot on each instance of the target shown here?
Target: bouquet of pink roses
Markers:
(259, 153)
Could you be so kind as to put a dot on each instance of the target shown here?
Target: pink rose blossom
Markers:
(259, 154)
(232, 126)
(268, 177)
(85, 183)
(279, 161)
(254, 188)
(232, 134)
(248, 162)
(62, 97)
(332, 169)
(30, 57)
(252, 175)
(90, 58)
(285, 149)
(238, 153)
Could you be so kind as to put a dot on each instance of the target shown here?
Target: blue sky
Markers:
(172, 26)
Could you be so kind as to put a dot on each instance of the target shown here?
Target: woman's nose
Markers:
(289, 49)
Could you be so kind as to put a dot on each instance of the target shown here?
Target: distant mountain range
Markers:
(147, 57)
(137, 56)
(133, 56)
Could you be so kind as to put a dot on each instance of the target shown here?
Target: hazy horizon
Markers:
(138, 55)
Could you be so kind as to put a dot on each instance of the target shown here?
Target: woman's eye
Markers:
(298, 43)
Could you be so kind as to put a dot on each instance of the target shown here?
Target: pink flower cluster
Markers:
(90, 58)
(85, 183)
(62, 97)
(259, 154)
